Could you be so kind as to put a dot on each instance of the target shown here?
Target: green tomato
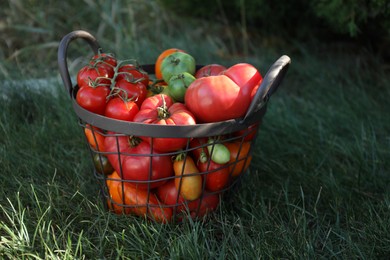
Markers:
(219, 153)
(176, 63)
(102, 165)
(178, 84)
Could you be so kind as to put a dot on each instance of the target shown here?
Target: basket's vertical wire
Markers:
(123, 204)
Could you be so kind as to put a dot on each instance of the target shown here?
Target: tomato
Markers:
(115, 200)
(94, 76)
(222, 97)
(217, 176)
(199, 149)
(240, 158)
(93, 99)
(160, 58)
(209, 70)
(157, 87)
(132, 73)
(124, 198)
(219, 153)
(246, 76)
(178, 84)
(104, 59)
(176, 63)
(120, 109)
(102, 165)
(161, 110)
(249, 133)
(137, 162)
(94, 137)
(189, 181)
(135, 91)
(169, 195)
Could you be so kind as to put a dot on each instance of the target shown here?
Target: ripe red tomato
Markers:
(168, 194)
(120, 109)
(135, 91)
(246, 76)
(132, 73)
(161, 110)
(217, 177)
(136, 162)
(93, 98)
(93, 76)
(209, 70)
(223, 97)
(104, 59)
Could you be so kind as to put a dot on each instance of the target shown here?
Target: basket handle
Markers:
(63, 50)
(269, 85)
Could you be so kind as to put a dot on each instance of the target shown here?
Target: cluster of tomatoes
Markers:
(162, 177)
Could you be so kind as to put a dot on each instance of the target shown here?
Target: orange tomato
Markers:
(190, 187)
(161, 57)
(135, 200)
(239, 159)
(94, 137)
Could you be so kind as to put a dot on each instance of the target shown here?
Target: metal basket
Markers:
(241, 131)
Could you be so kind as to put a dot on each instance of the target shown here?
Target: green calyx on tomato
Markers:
(177, 63)
(178, 84)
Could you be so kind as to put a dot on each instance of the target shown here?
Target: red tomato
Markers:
(217, 177)
(161, 110)
(168, 194)
(246, 76)
(223, 97)
(136, 162)
(120, 109)
(249, 133)
(132, 73)
(93, 76)
(104, 59)
(93, 98)
(209, 70)
(199, 149)
(135, 91)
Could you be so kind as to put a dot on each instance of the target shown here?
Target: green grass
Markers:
(317, 186)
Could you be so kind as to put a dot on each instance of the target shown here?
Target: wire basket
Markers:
(170, 196)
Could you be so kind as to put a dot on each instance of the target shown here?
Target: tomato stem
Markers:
(162, 111)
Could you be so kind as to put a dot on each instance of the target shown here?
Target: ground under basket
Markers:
(146, 197)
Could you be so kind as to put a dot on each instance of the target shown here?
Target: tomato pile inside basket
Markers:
(167, 178)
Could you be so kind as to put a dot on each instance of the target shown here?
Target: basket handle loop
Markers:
(63, 50)
(269, 85)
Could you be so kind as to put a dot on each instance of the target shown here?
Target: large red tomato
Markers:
(134, 160)
(223, 97)
(161, 110)
(135, 91)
